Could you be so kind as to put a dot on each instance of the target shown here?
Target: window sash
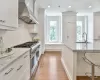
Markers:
(58, 29)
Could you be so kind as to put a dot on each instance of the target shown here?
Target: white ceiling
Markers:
(77, 5)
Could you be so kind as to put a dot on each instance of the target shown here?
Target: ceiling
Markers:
(76, 5)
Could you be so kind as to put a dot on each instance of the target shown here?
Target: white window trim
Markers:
(59, 41)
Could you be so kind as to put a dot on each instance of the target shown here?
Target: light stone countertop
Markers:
(92, 47)
(18, 52)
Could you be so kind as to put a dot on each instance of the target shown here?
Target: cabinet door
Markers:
(9, 13)
(27, 66)
(26, 59)
(8, 73)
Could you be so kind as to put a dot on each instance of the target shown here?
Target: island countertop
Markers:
(92, 47)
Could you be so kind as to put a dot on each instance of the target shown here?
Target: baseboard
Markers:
(66, 69)
(53, 49)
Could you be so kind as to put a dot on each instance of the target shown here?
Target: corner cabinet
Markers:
(9, 14)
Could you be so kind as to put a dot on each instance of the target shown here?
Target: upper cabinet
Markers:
(9, 14)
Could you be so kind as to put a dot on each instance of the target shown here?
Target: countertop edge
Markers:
(82, 51)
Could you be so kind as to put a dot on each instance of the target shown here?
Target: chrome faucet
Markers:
(85, 38)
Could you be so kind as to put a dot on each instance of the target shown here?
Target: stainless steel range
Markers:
(34, 53)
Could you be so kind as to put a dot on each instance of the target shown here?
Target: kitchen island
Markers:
(72, 58)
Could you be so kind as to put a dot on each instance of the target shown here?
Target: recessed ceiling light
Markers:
(69, 6)
(90, 6)
(49, 6)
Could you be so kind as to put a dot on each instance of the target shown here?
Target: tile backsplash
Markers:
(11, 38)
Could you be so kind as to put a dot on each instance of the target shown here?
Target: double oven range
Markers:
(34, 53)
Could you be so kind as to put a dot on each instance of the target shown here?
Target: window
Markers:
(53, 29)
(82, 27)
(79, 31)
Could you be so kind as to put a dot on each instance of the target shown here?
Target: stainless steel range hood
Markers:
(24, 13)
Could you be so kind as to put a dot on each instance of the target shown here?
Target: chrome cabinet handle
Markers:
(11, 69)
(25, 56)
(20, 67)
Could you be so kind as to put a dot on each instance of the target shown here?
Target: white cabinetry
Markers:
(9, 14)
(8, 73)
(18, 70)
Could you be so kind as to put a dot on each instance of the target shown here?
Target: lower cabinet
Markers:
(19, 70)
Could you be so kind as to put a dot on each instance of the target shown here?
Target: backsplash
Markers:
(21, 35)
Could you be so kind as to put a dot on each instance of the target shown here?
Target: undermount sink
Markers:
(83, 42)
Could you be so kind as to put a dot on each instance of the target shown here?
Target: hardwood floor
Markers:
(50, 67)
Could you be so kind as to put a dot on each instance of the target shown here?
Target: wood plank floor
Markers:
(50, 67)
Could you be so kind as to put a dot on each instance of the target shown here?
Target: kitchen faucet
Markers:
(85, 39)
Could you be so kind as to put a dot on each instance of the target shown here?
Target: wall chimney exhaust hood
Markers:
(25, 14)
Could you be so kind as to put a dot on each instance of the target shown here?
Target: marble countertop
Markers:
(18, 52)
(92, 47)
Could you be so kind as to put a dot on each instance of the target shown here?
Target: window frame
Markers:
(59, 29)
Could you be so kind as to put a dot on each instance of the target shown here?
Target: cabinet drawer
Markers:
(17, 69)
(8, 73)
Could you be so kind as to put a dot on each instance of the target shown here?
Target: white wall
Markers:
(96, 17)
(90, 27)
(53, 47)
(69, 28)
(16, 37)
(41, 28)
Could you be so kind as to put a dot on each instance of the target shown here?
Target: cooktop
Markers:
(26, 45)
